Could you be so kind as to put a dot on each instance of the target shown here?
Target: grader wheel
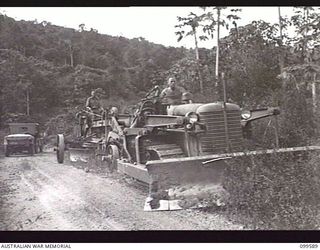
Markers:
(31, 150)
(112, 156)
(6, 151)
(39, 147)
(60, 148)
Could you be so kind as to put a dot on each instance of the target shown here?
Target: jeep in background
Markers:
(23, 137)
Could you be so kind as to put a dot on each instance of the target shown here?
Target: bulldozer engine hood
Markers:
(183, 109)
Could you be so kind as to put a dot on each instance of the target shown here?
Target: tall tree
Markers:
(191, 21)
(280, 41)
(71, 51)
(214, 18)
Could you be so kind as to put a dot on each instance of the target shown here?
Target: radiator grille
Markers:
(214, 140)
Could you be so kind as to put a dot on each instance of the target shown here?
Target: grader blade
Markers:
(81, 155)
(83, 158)
(185, 183)
(195, 182)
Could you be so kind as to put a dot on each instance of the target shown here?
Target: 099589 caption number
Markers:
(308, 245)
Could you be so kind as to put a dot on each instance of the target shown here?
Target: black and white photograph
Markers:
(162, 118)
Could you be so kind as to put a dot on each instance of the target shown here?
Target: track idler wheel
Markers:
(60, 148)
(112, 156)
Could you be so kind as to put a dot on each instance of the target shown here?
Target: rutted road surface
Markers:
(37, 193)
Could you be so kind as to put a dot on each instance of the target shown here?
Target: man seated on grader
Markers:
(94, 108)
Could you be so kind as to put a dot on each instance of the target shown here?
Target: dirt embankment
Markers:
(39, 194)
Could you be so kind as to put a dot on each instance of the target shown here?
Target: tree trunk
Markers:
(196, 44)
(1, 106)
(71, 58)
(281, 61)
(198, 60)
(28, 102)
(217, 48)
(71, 55)
(305, 33)
(314, 93)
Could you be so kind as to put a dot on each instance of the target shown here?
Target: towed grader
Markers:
(172, 153)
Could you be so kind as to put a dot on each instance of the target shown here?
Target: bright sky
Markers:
(155, 24)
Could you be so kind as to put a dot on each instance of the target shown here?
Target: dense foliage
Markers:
(60, 66)
(278, 191)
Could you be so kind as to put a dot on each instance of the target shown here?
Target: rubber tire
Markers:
(60, 148)
(32, 150)
(6, 151)
(36, 148)
(114, 152)
(39, 147)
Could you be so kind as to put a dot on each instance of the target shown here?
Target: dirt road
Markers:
(39, 194)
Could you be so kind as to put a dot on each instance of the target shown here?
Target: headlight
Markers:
(192, 117)
(246, 114)
(189, 126)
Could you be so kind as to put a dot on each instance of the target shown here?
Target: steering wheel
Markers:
(147, 106)
(147, 111)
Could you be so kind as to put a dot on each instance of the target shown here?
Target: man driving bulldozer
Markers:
(93, 107)
(173, 95)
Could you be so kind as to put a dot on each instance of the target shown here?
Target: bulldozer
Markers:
(182, 155)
